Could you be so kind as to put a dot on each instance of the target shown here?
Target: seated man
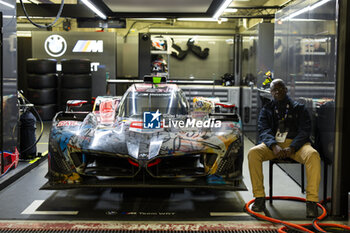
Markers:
(284, 129)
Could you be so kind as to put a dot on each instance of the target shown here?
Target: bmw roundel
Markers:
(55, 45)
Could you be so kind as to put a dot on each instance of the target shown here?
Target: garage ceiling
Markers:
(141, 8)
(159, 6)
(131, 8)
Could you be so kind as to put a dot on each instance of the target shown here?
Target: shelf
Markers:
(159, 52)
(314, 53)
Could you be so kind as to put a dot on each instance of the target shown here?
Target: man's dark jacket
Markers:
(298, 123)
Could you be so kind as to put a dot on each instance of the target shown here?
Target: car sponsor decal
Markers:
(67, 123)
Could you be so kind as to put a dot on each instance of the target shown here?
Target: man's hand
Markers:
(278, 151)
(289, 151)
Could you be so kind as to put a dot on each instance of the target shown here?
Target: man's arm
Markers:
(304, 129)
(266, 134)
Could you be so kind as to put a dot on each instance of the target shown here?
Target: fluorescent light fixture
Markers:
(155, 19)
(94, 9)
(231, 10)
(31, 1)
(202, 19)
(24, 33)
(221, 9)
(307, 20)
(317, 4)
(7, 4)
(301, 11)
(34, 17)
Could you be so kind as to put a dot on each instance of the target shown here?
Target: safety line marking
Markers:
(223, 214)
(34, 160)
(32, 209)
(37, 158)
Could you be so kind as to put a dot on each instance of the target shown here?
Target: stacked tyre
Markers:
(42, 86)
(76, 81)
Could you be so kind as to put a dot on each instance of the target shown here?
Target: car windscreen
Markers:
(172, 103)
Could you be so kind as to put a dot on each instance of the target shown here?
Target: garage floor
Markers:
(23, 200)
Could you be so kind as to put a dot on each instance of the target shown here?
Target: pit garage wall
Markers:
(98, 47)
(305, 57)
(9, 113)
(341, 181)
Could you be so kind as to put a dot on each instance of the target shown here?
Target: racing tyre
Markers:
(42, 96)
(75, 94)
(76, 81)
(42, 81)
(41, 66)
(76, 66)
(47, 111)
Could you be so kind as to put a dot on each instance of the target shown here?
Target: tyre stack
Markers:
(76, 82)
(42, 86)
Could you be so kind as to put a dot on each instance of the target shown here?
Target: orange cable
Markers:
(299, 227)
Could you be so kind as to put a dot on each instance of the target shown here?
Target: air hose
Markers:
(41, 124)
(43, 26)
(293, 226)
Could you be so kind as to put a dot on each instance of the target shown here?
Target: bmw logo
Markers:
(55, 45)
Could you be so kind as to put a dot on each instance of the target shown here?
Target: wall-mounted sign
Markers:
(88, 46)
(98, 47)
(55, 45)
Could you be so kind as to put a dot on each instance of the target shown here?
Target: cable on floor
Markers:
(298, 227)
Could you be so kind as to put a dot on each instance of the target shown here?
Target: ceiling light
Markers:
(202, 19)
(222, 8)
(299, 12)
(318, 4)
(24, 33)
(94, 9)
(7, 4)
(231, 10)
(29, 1)
(155, 19)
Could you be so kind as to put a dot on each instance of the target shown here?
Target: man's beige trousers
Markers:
(306, 155)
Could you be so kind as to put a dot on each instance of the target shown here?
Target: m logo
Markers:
(88, 46)
(151, 120)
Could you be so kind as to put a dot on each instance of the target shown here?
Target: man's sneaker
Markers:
(259, 204)
(311, 209)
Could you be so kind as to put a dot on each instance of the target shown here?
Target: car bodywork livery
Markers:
(112, 147)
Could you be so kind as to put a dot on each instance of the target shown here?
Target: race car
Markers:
(147, 138)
